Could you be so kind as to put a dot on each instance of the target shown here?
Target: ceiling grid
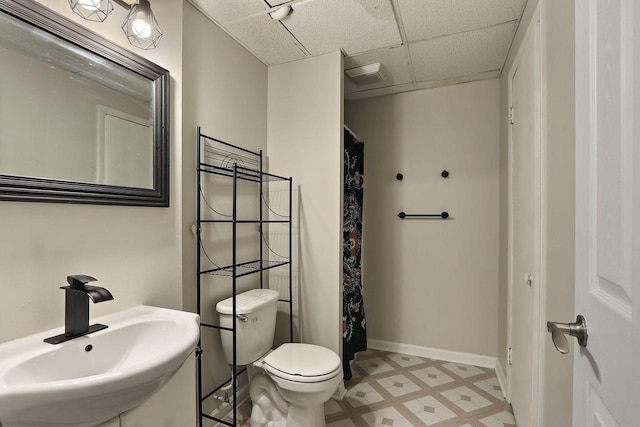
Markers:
(420, 43)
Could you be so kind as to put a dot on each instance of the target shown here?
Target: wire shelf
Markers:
(246, 268)
(226, 160)
(243, 173)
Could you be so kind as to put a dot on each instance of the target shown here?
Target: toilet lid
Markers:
(302, 362)
(248, 302)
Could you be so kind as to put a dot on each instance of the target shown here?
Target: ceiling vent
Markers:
(367, 74)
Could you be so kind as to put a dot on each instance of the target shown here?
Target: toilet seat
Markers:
(302, 363)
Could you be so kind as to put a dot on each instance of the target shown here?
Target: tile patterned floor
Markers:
(390, 389)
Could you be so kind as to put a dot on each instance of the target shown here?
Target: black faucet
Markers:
(76, 316)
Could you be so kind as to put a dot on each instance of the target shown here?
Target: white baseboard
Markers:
(434, 353)
(502, 378)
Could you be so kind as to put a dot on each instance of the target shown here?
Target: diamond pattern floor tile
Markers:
(466, 399)
(398, 385)
(463, 371)
(491, 386)
(390, 389)
(332, 407)
(362, 394)
(386, 417)
(342, 423)
(432, 376)
(374, 366)
(501, 419)
(406, 360)
(430, 410)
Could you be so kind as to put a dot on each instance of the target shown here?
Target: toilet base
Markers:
(295, 417)
(305, 417)
(270, 409)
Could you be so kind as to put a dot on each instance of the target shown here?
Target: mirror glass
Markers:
(72, 117)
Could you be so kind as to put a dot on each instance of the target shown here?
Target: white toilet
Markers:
(289, 385)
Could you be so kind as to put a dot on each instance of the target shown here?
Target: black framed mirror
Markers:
(82, 120)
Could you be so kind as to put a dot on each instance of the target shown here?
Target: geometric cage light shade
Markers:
(92, 10)
(141, 26)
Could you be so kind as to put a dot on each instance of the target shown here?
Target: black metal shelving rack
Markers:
(221, 158)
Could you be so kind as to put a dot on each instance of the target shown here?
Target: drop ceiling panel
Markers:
(447, 41)
(355, 26)
(394, 60)
(267, 39)
(457, 80)
(223, 11)
(462, 54)
(425, 19)
(380, 91)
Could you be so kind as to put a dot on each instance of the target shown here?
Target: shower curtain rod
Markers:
(352, 133)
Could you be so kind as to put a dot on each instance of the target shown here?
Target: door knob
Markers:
(559, 330)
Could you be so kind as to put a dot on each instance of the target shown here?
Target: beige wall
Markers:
(558, 22)
(431, 283)
(133, 251)
(225, 93)
(305, 119)
(558, 62)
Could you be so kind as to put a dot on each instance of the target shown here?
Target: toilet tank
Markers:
(256, 311)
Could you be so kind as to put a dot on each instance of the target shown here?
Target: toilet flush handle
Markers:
(242, 317)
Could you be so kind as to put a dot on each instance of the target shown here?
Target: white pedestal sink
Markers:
(93, 378)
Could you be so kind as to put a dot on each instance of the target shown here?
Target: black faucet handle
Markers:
(98, 294)
(77, 281)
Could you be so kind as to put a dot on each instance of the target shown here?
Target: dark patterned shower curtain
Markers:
(354, 328)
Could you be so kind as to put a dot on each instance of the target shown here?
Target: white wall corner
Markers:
(305, 119)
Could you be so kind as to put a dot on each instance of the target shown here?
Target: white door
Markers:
(128, 152)
(607, 371)
(125, 149)
(524, 179)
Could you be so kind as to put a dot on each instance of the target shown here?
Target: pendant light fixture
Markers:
(92, 10)
(140, 26)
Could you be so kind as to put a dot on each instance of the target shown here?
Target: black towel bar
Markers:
(443, 215)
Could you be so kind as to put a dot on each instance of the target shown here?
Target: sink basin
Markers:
(93, 378)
